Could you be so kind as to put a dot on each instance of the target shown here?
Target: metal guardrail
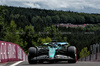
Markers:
(95, 48)
(92, 57)
(95, 53)
(11, 52)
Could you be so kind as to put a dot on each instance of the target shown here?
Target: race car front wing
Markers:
(57, 57)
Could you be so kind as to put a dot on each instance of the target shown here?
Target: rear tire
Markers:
(32, 54)
(72, 52)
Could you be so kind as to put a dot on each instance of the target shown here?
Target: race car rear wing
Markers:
(45, 43)
(59, 43)
(62, 43)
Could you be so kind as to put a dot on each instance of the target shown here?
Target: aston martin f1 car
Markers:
(54, 51)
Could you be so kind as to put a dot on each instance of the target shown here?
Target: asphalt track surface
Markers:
(62, 63)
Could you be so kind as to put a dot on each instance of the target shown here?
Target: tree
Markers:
(29, 36)
(3, 25)
(2, 10)
(53, 32)
(64, 39)
(48, 39)
(71, 20)
(33, 20)
(48, 20)
(38, 23)
(89, 19)
(56, 19)
(12, 34)
(44, 22)
(84, 52)
(63, 19)
(43, 40)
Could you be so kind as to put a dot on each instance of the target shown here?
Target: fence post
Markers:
(96, 56)
(90, 57)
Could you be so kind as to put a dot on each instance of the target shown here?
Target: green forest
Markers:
(43, 18)
(32, 27)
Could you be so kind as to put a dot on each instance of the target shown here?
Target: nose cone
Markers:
(52, 52)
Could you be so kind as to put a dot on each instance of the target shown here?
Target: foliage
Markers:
(29, 36)
(43, 40)
(11, 34)
(40, 18)
(84, 52)
(52, 31)
(2, 25)
(48, 39)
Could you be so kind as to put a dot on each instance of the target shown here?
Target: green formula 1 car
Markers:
(54, 51)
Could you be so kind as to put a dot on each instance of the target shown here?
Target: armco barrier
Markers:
(11, 52)
(92, 57)
(87, 58)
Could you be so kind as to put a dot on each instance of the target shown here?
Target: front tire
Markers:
(31, 61)
(32, 54)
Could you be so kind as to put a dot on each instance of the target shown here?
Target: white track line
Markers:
(16, 63)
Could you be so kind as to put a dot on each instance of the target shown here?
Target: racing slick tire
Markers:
(32, 54)
(72, 52)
